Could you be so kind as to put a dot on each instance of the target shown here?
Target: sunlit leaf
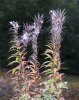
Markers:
(13, 62)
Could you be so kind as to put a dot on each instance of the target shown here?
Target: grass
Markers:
(72, 80)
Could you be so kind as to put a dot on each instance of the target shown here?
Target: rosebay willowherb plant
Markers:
(38, 21)
(20, 75)
(27, 34)
(55, 83)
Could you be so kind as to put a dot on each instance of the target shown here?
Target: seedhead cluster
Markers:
(57, 21)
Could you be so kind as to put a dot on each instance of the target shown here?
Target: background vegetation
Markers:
(24, 10)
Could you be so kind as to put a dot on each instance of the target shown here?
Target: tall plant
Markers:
(20, 75)
(53, 63)
(36, 26)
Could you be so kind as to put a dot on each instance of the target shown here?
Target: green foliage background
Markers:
(24, 10)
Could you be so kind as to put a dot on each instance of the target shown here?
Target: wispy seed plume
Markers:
(15, 26)
(57, 21)
(38, 21)
(25, 35)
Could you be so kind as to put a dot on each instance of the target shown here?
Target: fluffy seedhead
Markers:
(14, 27)
(27, 34)
(57, 21)
(38, 21)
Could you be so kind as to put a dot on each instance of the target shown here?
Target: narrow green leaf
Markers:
(48, 56)
(13, 62)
